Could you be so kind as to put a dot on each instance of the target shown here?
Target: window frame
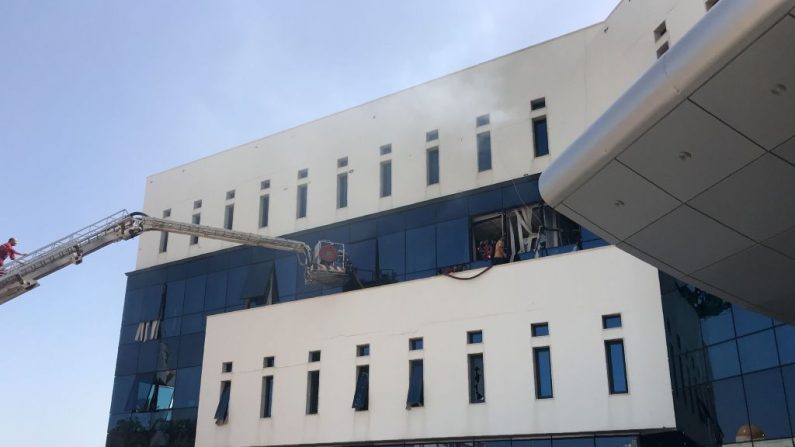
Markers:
(611, 371)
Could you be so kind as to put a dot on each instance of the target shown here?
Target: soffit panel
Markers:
(620, 200)
(758, 201)
(688, 151)
(742, 93)
(771, 272)
(651, 260)
(784, 243)
(707, 241)
(573, 215)
(787, 150)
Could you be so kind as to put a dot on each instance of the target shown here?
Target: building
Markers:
(573, 342)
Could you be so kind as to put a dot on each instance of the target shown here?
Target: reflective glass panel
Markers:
(757, 351)
(717, 328)
(215, 292)
(785, 336)
(532, 443)
(391, 253)
(452, 242)
(191, 350)
(421, 249)
(362, 257)
(186, 392)
(617, 441)
(723, 360)
(746, 321)
(573, 442)
(127, 359)
(730, 407)
(147, 356)
(540, 137)
(616, 367)
(192, 323)
(150, 306)
(767, 408)
(175, 294)
(543, 372)
(788, 373)
(168, 354)
(286, 276)
(121, 392)
(194, 295)
(132, 306)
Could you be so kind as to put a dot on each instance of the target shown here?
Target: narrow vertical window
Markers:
(222, 411)
(616, 366)
(312, 391)
(229, 215)
(433, 165)
(301, 208)
(267, 397)
(477, 380)
(484, 151)
(264, 204)
(542, 365)
(540, 138)
(342, 191)
(196, 220)
(361, 397)
(416, 394)
(386, 179)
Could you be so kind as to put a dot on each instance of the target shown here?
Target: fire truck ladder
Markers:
(327, 264)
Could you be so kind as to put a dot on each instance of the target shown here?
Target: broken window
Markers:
(416, 397)
(152, 392)
(361, 397)
(477, 385)
(222, 411)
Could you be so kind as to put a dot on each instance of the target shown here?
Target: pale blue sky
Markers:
(96, 95)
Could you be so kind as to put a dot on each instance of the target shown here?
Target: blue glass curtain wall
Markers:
(399, 245)
(732, 370)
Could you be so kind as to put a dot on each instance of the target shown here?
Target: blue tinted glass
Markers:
(616, 367)
(169, 352)
(194, 295)
(391, 223)
(419, 275)
(485, 202)
(433, 166)
(540, 137)
(729, 407)
(420, 217)
(785, 335)
(175, 294)
(186, 391)
(788, 373)
(611, 321)
(360, 231)
(127, 359)
(147, 356)
(150, 306)
(191, 350)
(192, 323)
(236, 281)
(520, 194)
(746, 321)
(766, 406)
(362, 257)
(451, 209)
(540, 330)
(617, 441)
(484, 151)
(757, 351)
(531, 443)
(452, 242)
(421, 249)
(573, 442)
(391, 253)
(215, 292)
(543, 371)
(121, 392)
(132, 306)
(127, 334)
(695, 363)
(286, 276)
(502, 443)
(723, 361)
(718, 328)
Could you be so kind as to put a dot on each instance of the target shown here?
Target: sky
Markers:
(95, 95)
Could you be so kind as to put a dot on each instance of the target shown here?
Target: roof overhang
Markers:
(692, 169)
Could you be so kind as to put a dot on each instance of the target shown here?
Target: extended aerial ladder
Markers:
(327, 264)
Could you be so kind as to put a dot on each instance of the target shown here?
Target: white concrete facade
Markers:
(503, 303)
(579, 74)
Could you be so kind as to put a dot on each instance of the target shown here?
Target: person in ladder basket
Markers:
(7, 251)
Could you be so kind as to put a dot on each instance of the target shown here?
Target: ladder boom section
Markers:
(22, 275)
(146, 223)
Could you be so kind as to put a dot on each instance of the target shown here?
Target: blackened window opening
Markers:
(477, 379)
(484, 151)
(312, 391)
(267, 396)
(361, 397)
(416, 395)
